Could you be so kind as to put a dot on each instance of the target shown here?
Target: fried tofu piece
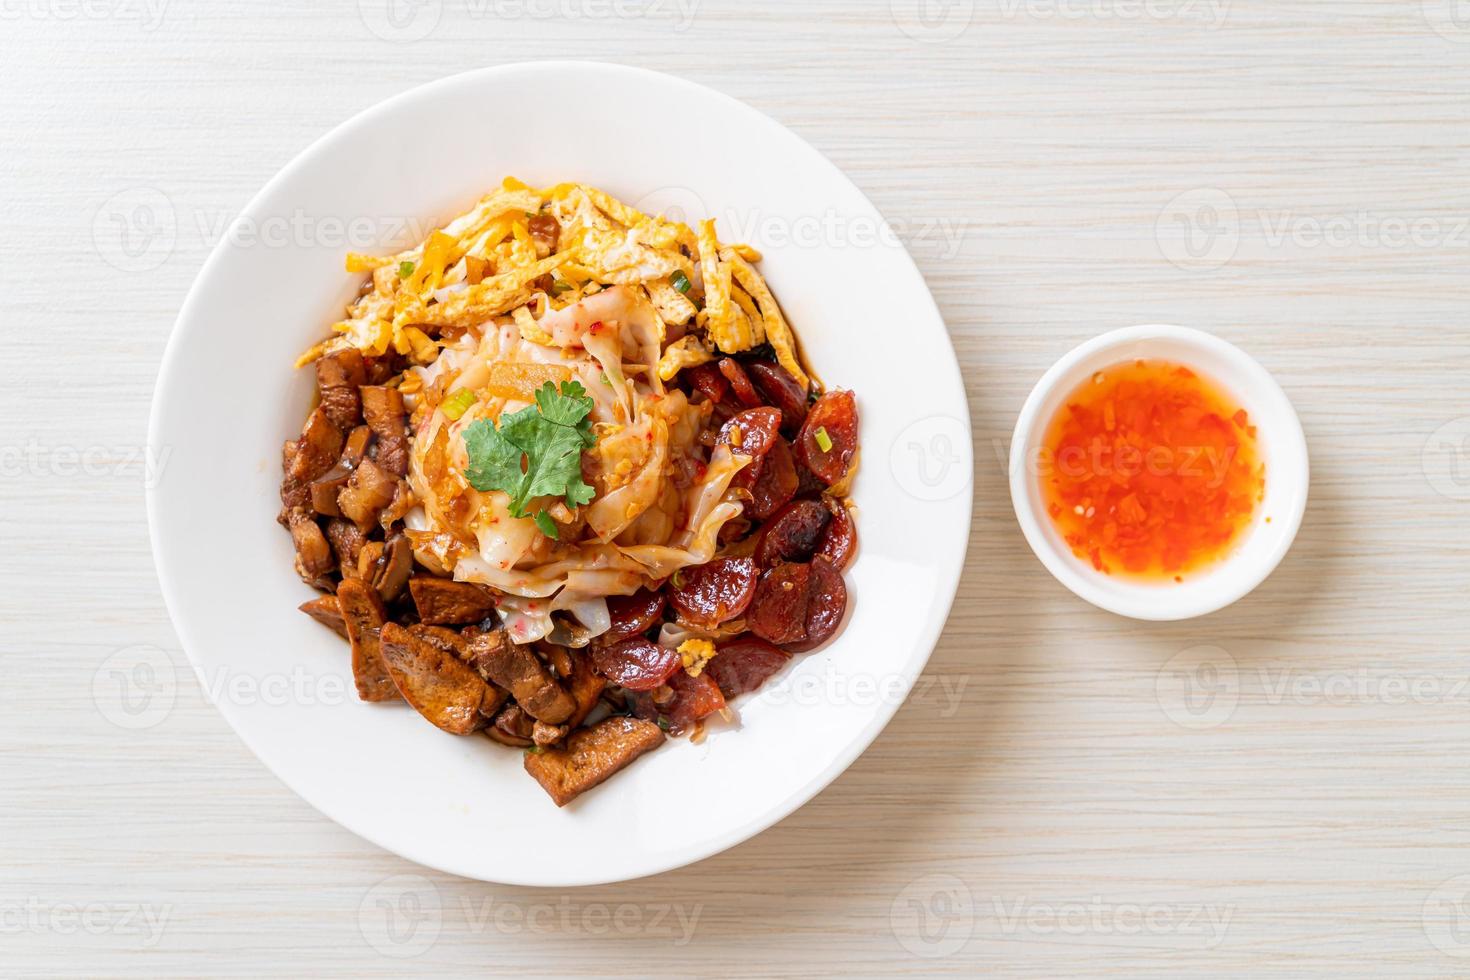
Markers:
(443, 601)
(326, 611)
(362, 609)
(438, 684)
(519, 671)
(591, 756)
(458, 645)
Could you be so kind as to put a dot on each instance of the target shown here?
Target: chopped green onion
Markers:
(678, 579)
(530, 214)
(681, 282)
(824, 440)
(535, 750)
(606, 380)
(547, 525)
(457, 404)
(559, 286)
(663, 723)
(405, 269)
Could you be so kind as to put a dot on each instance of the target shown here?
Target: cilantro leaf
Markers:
(570, 408)
(547, 525)
(536, 452)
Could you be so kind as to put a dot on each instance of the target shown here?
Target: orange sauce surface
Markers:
(1149, 470)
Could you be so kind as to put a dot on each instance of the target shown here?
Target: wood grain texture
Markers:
(1275, 790)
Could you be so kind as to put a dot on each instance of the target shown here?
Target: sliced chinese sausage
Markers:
(793, 534)
(826, 604)
(829, 436)
(839, 541)
(681, 702)
(807, 483)
(778, 612)
(632, 614)
(740, 384)
(363, 612)
(775, 482)
(694, 698)
(636, 664)
(752, 432)
(710, 594)
(438, 685)
(744, 664)
(708, 379)
(777, 387)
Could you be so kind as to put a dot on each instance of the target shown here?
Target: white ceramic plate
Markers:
(227, 398)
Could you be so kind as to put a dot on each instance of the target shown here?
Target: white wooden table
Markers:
(1276, 790)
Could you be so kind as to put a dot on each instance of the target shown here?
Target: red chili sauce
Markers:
(1150, 471)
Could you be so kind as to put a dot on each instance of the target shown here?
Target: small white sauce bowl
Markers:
(1280, 442)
